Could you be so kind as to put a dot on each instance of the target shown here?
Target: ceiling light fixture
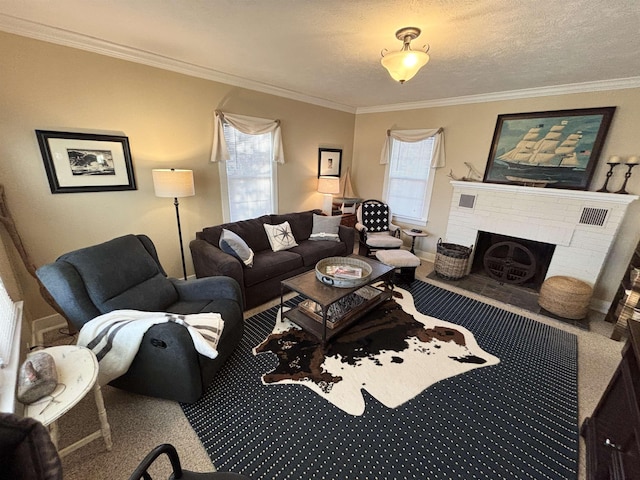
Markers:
(403, 65)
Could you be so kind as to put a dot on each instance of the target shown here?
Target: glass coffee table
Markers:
(313, 315)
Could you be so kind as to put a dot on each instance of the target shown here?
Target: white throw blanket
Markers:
(115, 337)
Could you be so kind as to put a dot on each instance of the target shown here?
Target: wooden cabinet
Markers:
(614, 313)
(625, 284)
(612, 433)
(348, 219)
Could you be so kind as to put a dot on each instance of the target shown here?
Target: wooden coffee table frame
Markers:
(324, 295)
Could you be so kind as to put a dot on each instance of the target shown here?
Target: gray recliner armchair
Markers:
(125, 273)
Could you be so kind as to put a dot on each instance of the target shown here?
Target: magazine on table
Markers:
(344, 271)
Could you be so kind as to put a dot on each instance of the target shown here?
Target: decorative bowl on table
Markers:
(343, 272)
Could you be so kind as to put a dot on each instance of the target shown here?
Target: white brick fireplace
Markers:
(582, 224)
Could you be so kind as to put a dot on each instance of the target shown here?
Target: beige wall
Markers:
(468, 133)
(168, 119)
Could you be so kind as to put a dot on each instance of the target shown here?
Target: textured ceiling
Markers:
(328, 51)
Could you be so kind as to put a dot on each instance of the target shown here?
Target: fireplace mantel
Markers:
(550, 192)
(582, 224)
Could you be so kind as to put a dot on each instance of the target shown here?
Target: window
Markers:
(409, 180)
(8, 323)
(249, 176)
(10, 332)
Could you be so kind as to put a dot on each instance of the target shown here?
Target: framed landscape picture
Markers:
(556, 149)
(84, 162)
(329, 162)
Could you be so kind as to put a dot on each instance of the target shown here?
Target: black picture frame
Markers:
(554, 149)
(329, 162)
(86, 162)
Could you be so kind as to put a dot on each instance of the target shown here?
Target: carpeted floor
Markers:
(517, 419)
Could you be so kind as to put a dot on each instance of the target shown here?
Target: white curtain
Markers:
(437, 159)
(247, 125)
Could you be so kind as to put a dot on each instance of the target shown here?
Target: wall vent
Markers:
(467, 201)
(593, 216)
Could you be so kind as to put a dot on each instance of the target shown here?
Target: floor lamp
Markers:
(329, 186)
(171, 182)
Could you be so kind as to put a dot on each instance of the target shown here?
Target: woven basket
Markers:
(451, 260)
(565, 296)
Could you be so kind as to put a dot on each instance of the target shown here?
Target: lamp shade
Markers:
(404, 65)
(330, 185)
(171, 182)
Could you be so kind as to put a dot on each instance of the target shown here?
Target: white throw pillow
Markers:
(325, 228)
(233, 244)
(280, 236)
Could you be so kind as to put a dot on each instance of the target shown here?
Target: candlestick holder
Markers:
(612, 165)
(627, 176)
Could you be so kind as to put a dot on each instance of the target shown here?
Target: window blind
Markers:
(408, 178)
(8, 323)
(249, 174)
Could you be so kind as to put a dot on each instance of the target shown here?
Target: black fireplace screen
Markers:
(512, 260)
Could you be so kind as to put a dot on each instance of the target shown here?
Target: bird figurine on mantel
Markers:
(473, 175)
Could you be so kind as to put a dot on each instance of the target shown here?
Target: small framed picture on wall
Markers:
(329, 162)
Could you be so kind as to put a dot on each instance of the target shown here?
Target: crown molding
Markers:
(66, 38)
(585, 87)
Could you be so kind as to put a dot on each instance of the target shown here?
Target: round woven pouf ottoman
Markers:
(566, 297)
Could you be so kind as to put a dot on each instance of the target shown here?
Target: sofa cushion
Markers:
(325, 228)
(268, 264)
(301, 223)
(280, 236)
(314, 251)
(251, 231)
(233, 244)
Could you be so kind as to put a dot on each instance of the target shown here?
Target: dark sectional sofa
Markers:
(261, 282)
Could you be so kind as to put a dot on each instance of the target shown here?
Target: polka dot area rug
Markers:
(515, 419)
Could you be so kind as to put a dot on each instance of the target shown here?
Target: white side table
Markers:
(77, 369)
(413, 236)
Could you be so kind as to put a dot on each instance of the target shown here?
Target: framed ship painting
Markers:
(557, 149)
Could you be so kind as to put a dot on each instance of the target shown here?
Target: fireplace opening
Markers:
(512, 260)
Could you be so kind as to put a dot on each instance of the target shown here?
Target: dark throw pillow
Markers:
(375, 217)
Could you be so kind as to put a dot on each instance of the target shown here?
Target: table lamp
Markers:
(171, 182)
(329, 186)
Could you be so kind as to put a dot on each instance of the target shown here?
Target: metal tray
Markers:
(325, 274)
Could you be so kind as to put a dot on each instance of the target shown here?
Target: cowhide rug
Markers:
(394, 353)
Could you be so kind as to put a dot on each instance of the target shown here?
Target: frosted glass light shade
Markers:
(404, 65)
(171, 182)
(329, 185)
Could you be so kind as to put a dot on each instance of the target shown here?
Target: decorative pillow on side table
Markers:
(37, 378)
